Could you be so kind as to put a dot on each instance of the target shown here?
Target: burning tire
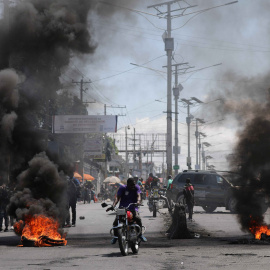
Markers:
(209, 208)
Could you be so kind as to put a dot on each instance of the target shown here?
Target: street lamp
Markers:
(197, 166)
(127, 168)
(176, 93)
(203, 153)
(188, 121)
(199, 146)
(206, 158)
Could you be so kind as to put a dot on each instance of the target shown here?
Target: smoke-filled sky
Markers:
(235, 35)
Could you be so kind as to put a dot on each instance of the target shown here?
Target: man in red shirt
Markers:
(149, 181)
(189, 197)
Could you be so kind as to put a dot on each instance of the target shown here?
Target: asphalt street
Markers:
(218, 245)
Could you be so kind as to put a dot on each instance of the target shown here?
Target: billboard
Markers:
(84, 123)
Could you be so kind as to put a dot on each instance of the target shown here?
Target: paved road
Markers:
(89, 246)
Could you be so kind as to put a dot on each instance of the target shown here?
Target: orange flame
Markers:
(258, 229)
(36, 228)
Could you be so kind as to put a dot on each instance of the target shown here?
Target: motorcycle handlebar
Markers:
(111, 208)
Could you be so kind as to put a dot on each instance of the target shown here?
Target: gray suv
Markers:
(211, 190)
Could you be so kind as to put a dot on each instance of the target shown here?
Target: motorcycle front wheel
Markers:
(123, 244)
(154, 210)
(134, 247)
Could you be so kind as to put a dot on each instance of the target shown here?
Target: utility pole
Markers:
(188, 121)
(127, 167)
(169, 47)
(176, 92)
(197, 166)
(204, 158)
(199, 146)
(81, 82)
(134, 155)
(140, 157)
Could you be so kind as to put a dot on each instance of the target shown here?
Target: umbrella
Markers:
(76, 175)
(88, 177)
(112, 179)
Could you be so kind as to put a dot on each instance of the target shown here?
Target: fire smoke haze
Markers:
(245, 105)
(37, 47)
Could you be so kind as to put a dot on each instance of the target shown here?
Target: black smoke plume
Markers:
(36, 47)
(246, 101)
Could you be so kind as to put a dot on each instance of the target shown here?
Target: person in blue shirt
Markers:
(130, 193)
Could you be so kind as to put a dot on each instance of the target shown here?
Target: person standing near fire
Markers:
(72, 200)
(189, 197)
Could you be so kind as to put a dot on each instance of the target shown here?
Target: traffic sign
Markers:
(176, 167)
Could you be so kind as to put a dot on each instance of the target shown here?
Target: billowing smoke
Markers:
(41, 192)
(36, 47)
(247, 101)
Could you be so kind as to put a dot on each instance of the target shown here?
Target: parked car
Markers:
(211, 190)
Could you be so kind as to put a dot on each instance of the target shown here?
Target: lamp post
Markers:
(197, 166)
(188, 121)
(176, 92)
(199, 147)
(203, 153)
(206, 158)
(127, 168)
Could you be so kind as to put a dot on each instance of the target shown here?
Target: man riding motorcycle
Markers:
(127, 194)
(155, 183)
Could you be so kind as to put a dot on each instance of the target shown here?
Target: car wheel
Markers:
(232, 205)
(209, 208)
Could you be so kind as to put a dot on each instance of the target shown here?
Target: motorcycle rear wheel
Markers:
(134, 247)
(123, 244)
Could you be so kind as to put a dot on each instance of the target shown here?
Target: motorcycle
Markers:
(127, 231)
(153, 201)
(157, 200)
